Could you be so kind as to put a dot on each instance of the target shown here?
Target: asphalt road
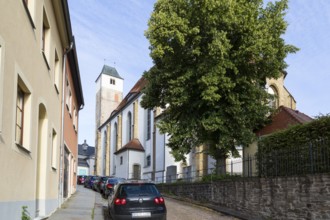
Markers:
(179, 210)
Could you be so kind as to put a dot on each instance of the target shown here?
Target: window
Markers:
(19, 116)
(273, 101)
(23, 113)
(148, 160)
(112, 81)
(129, 126)
(57, 72)
(121, 160)
(68, 99)
(45, 39)
(54, 149)
(136, 171)
(28, 4)
(148, 124)
(115, 140)
(75, 119)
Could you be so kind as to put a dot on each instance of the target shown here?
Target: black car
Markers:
(99, 184)
(136, 200)
(109, 185)
(89, 181)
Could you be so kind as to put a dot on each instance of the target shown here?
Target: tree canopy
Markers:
(211, 60)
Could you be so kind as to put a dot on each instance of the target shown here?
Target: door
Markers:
(136, 171)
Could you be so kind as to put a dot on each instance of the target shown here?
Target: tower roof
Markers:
(110, 71)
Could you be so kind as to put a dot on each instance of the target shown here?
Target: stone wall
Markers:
(303, 197)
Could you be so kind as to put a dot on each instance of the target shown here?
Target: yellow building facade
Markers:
(35, 38)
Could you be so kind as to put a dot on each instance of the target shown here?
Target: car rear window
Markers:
(137, 189)
(115, 181)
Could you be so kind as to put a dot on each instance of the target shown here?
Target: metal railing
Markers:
(311, 158)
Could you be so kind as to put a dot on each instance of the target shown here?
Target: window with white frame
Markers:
(273, 101)
(45, 38)
(22, 122)
(75, 119)
(148, 160)
(57, 73)
(112, 81)
(28, 5)
(68, 98)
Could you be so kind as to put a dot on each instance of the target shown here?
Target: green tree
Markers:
(211, 60)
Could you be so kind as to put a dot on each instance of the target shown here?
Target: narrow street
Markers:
(178, 210)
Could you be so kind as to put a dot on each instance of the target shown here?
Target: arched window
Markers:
(273, 101)
(115, 139)
(129, 126)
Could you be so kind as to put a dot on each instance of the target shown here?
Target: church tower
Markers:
(109, 93)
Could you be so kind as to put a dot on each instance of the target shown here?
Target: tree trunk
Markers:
(221, 166)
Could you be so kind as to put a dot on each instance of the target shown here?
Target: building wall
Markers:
(71, 112)
(37, 70)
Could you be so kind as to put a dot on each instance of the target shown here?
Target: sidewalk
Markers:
(84, 204)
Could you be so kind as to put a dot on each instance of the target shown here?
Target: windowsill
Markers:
(46, 61)
(23, 148)
(29, 15)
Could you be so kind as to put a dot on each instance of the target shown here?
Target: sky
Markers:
(111, 32)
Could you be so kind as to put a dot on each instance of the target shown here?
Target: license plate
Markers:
(141, 214)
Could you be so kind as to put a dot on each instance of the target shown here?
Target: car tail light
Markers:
(119, 201)
(109, 186)
(159, 200)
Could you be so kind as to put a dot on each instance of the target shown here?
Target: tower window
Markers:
(112, 82)
(273, 101)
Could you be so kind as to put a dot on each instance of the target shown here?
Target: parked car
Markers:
(110, 184)
(101, 185)
(96, 183)
(136, 200)
(89, 182)
(81, 179)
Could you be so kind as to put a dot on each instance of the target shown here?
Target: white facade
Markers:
(136, 147)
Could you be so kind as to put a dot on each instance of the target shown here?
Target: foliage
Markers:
(299, 149)
(25, 213)
(211, 60)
